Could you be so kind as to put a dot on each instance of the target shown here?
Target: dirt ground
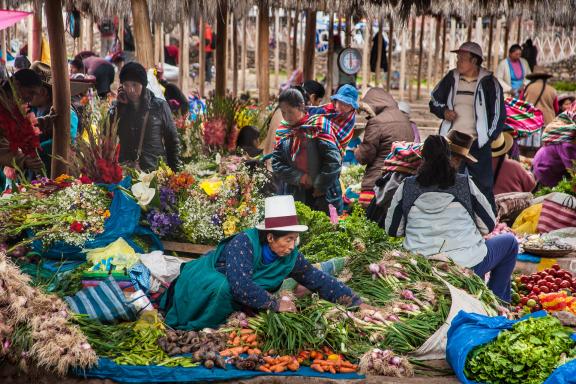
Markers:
(9, 374)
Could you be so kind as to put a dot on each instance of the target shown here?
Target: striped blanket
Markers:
(343, 123)
(404, 157)
(522, 118)
(310, 127)
(563, 128)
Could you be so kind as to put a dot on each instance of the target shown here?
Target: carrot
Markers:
(347, 364)
(285, 358)
(244, 349)
(231, 352)
(236, 341)
(328, 351)
(269, 360)
(323, 362)
(317, 368)
(332, 370)
(256, 351)
(278, 367)
(232, 335)
(262, 368)
(246, 331)
(346, 370)
(251, 338)
(254, 344)
(293, 366)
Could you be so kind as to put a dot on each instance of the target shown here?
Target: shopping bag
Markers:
(527, 221)
(558, 211)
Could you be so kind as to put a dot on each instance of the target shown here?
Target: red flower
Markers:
(19, 127)
(77, 227)
(85, 179)
(109, 172)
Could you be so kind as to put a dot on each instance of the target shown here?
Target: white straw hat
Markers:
(280, 215)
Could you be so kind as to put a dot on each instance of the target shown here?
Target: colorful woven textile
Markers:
(522, 117)
(310, 127)
(563, 128)
(404, 157)
(343, 123)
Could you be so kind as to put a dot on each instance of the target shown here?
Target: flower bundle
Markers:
(219, 130)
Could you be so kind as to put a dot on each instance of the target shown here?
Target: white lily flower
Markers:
(143, 193)
(146, 178)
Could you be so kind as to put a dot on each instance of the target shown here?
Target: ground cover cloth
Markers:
(107, 369)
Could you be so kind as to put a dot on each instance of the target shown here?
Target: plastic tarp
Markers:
(470, 330)
(9, 18)
(107, 369)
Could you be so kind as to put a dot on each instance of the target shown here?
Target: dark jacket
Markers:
(389, 125)
(374, 54)
(324, 166)
(489, 104)
(160, 138)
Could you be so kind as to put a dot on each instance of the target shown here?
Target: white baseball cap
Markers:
(280, 215)
(470, 47)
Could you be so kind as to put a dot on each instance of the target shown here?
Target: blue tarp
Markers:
(107, 369)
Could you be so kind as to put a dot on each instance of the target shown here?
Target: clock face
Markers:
(350, 61)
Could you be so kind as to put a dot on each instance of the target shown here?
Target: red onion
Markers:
(392, 318)
(374, 268)
(395, 361)
(407, 294)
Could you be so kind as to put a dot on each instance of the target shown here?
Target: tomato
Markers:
(524, 300)
(558, 281)
(549, 279)
(544, 289)
(541, 282)
(543, 274)
(556, 267)
(565, 284)
(554, 288)
(536, 290)
(524, 279)
(529, 287)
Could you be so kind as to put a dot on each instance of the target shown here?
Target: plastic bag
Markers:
(469, 330)
(115, 256)
(527, 221)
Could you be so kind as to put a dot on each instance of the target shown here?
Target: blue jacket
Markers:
(324, 166)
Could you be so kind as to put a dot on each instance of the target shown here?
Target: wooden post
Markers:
(420, 54)
(470, 26)
(295, 38)
(329, 61)
(184, 61)
(497, 43)
(519, 32)
(244, 53)
(221, 38)
(309, 45)
(201, 55)
(80, 46)
(412, 49)
(3, 37)
(121, 33)
(162, 44)
(90, 31)
(289, 46)
(235, 56)
(390, 49)
(366, 55)
(490, 37)
(35, 33)
(60, 87)
(479, 32)
(277, 48)
(302, 41)
(507, 36)
(157, 43)
(263, 69)
(380, 46)
(348, 35)
(142, 33)
(452, 59)
(257, 48)
(443, 56)
(435, 70)
(431, 49)
(402, 85)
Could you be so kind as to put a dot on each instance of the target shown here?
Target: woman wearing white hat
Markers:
(245, 270)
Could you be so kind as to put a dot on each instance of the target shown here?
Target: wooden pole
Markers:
(366, 55)
(295, 37)
(380, 46)
(90, 31)
(3, 37)
(257, 45)
(60, 87)
(348, 35)
(35, 33)
(244, 53)
(81, 46)
(289, 46)
(443, 55)
(490, 38)
(470, 26)
(235, 55)
(221, 38)
(519, 32)
(157, 42)
(329, 60)
(452, 59)
(390, 50)
(507, 36)
(403, 64)
(302, 40)
(439, 27)
(184, 66)
(263, 52)
(277, 48)
(497, 42)
(412, 49)
(162, 44)
(420, 54)
(142, 33)
(121, 32)
(201, 56)
(309, 45)
(431, 50)
(229, 64)
(479, 32)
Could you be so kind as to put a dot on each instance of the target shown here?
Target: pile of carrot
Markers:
(327, 361)
(279, 364)
(242, 341)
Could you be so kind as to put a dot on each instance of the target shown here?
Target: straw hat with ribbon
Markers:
(502, 144)
(44, 71)
(460, 144)
(280, 215)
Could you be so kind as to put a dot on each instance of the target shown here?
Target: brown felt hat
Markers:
(460, 144)
(45, 72)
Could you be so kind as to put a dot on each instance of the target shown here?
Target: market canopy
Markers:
(9, 18)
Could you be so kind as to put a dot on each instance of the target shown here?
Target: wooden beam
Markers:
(440, 71)
(289, 47)
(412, 49)
(201, 56)
(35, 32)
(439, 27)
(162, 44)
(479, 33)
(277, 48)
(295, 38)
(348, 35)
(121, 32)
(507, 36)
(420, 54)
(431, 49)
(379, 48)
(470, 27)
(302, 41)
(198, 249)
(263, 70)
(329, 60)
(244, 53)
(497, 42)
(184, 53)
(390, 50)
(257, 48)
(60, 87)
(235, 55)
(309, 45)
(490, 38)
(452, 59)
(404, 43)
(519, 32)
(90, 31)
(3, 37)
(142, 33)
(157, 42)
(221, 38)
(366, 55)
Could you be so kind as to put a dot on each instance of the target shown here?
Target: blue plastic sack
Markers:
(123, 222)
(469, 330)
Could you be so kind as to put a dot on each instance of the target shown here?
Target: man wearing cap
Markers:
(145, 126)
(469, 99)
(246, 269)
(509, 175)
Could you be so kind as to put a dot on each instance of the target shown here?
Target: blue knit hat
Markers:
(348, 95)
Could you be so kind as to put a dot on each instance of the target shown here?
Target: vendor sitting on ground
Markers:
(244, 271)
(509, 175)
(558, 151)
(442, 211)
(306, 157)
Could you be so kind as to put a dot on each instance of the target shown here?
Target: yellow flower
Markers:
(106, 214)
